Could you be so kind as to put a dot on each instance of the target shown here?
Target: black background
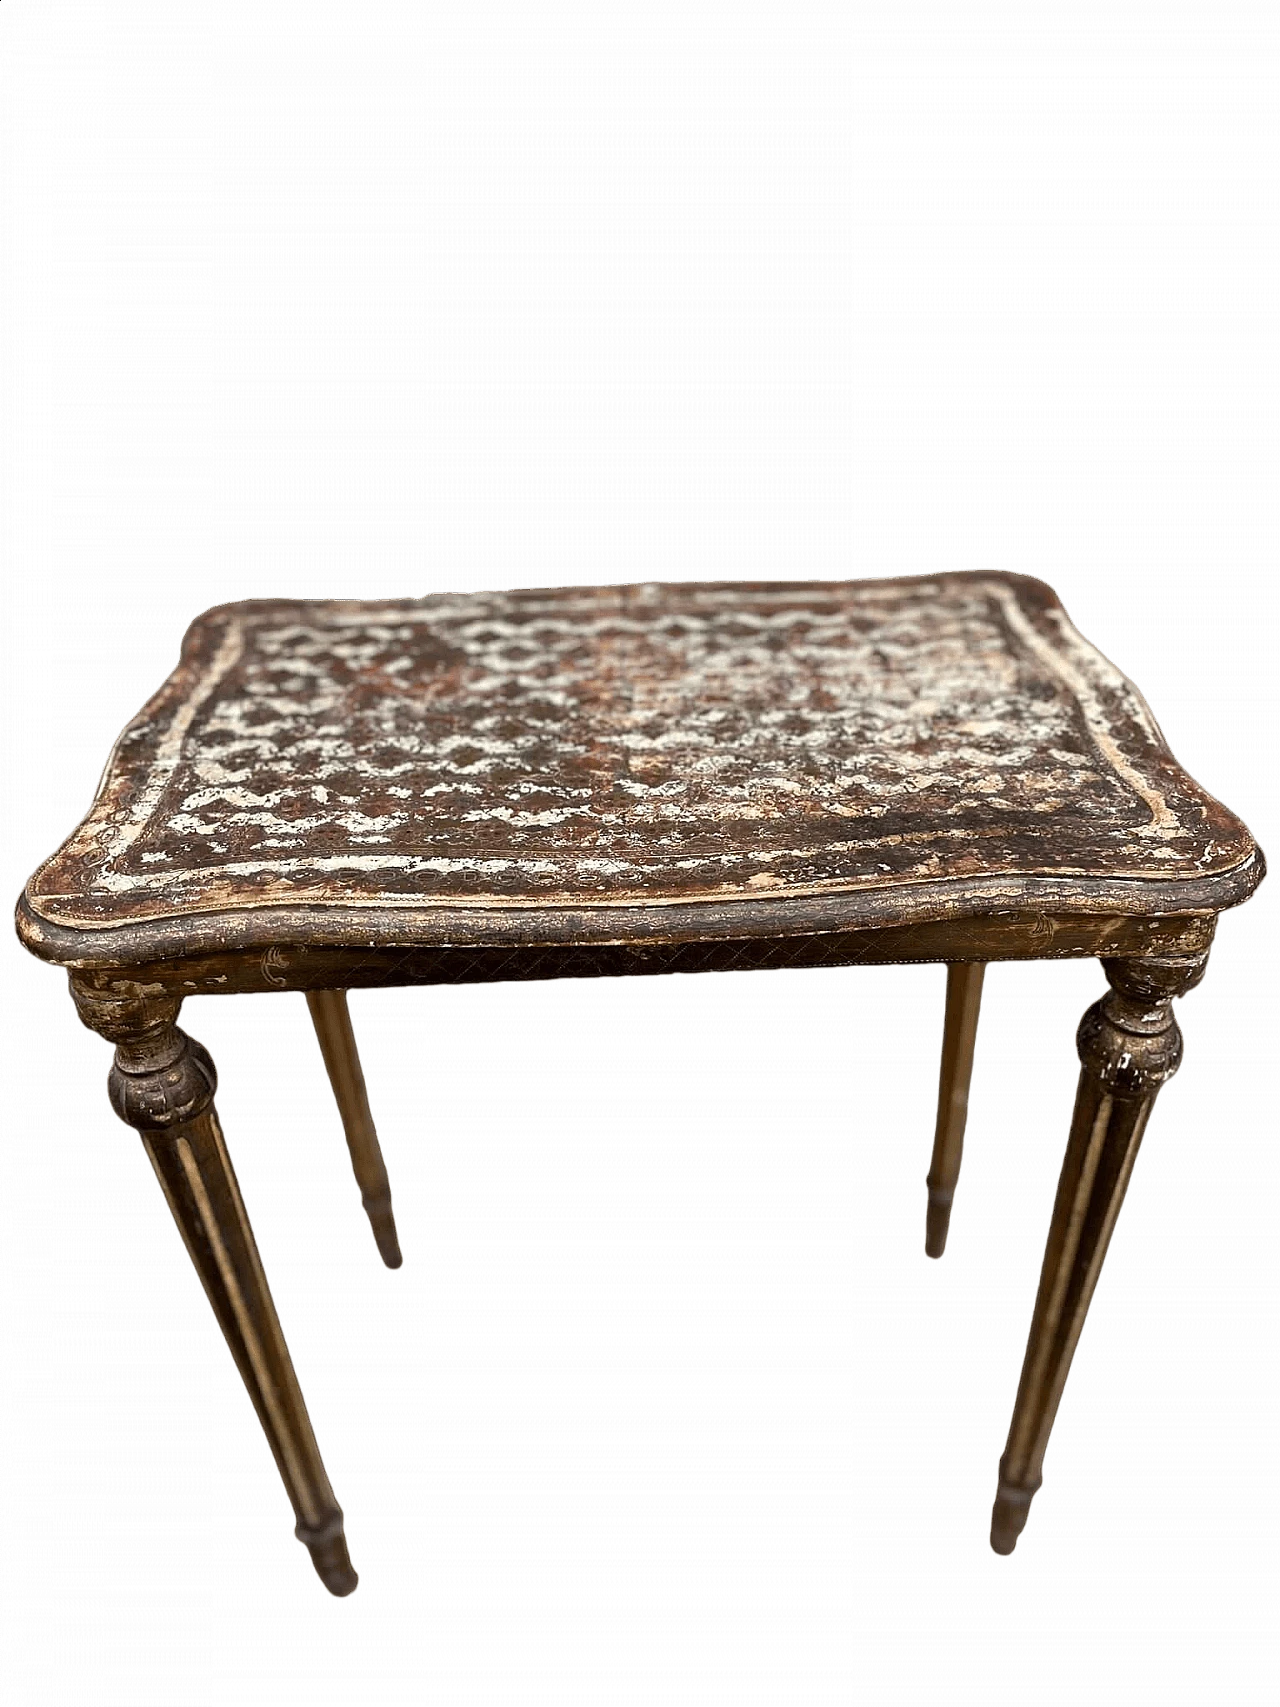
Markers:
(664, 1325)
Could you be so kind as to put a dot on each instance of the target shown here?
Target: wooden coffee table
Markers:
(597, 782)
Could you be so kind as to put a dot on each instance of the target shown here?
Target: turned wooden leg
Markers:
(332, 1021)
(1129, 1044)
(162, 1084)
(964, 998)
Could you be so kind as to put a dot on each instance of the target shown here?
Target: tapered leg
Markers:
(1129, 1046)
(332, 1021)
(162, 1084)
(964, 998)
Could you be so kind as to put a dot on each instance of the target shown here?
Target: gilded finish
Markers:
(332, 1020)
(620, 781)
(959, 1033)
(162, 1083)
(1129, 1045)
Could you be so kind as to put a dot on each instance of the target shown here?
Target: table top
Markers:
(411, 771)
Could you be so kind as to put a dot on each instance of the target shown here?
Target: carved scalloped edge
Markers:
(253, 930)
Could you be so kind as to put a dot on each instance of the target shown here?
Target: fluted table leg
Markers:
(332, 1020)
(960, 1030)
(162, 1084)
(1129, 1046)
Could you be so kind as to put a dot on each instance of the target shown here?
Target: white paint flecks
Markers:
(1163, 822)
(649, 744)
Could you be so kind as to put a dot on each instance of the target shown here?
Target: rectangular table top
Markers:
(419, 762)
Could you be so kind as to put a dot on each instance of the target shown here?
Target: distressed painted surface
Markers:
(995, 936)
(649, 744)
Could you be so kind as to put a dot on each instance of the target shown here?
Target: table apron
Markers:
(999, 936)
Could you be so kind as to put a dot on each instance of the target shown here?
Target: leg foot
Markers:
(1009, 1515)
(328, 1549)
